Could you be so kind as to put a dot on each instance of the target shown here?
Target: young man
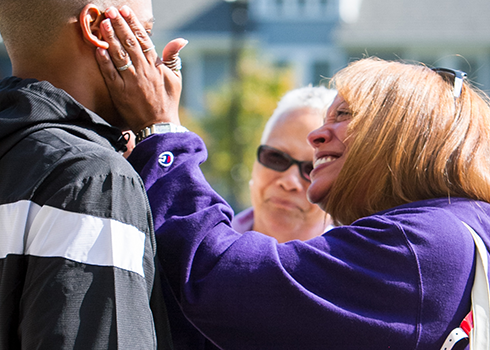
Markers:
(77, 245)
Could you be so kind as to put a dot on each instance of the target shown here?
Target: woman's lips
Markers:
(283, 203)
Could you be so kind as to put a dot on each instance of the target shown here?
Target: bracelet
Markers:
(160, 128)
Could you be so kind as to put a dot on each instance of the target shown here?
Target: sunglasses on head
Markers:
(454, 77)
(280, 161)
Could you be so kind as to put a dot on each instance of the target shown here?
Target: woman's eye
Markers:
(343, 115)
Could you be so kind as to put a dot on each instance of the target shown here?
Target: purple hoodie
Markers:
(399, 279)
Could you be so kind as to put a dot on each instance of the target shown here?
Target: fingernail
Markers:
(111, 12)
(107, 24)
(125, 11)
(102, 52)
(186, 42)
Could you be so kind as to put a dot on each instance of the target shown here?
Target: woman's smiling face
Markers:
(329, 142)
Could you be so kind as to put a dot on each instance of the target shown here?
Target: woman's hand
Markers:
(144, 90)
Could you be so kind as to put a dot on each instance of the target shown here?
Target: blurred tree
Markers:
(232, 128)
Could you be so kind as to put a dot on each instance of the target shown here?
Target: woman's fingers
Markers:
(143, 90)
(130, 44)
(106, 66)
(170, 56)
(140, 33)
(132, 36)
(120, 57)
(173, 48)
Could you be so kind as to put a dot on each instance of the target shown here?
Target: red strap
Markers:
(459, 335)
(467, 324)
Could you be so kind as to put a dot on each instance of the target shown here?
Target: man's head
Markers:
(55, 40)
(33, 25)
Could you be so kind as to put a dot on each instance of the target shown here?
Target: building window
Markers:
(292, 9)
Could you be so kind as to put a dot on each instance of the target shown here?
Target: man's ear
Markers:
(90, 20)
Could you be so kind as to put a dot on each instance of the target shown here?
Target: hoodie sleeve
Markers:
(357, 286)
(77, 260)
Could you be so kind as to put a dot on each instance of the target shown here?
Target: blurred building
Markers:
(318, 37)
(443, 33)
(295, 33)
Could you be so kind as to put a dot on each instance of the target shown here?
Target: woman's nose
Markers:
(318, 136)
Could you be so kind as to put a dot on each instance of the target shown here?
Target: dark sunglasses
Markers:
(280, 161)
(454, 77)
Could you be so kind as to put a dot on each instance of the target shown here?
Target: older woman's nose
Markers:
(291, 179)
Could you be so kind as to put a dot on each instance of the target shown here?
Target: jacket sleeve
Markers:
(88, 259)
(355, 287)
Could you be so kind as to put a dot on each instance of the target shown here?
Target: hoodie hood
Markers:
(28, 105)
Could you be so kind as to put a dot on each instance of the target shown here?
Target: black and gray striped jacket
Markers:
(76, 244)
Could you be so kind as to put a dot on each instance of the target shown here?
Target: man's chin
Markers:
(110, 114)
(119, 122)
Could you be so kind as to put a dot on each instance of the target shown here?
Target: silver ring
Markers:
(126, 66)
(149, 49)
(175, 64)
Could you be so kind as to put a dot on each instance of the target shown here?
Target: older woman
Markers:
(401, 160)
(281, 173)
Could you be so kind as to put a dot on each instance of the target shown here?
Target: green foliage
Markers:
(237, 113)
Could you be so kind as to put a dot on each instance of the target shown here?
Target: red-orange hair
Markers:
(410, 139)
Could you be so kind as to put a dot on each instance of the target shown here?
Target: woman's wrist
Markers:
(159, 128)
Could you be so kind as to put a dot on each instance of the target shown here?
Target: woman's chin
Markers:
(316, 195)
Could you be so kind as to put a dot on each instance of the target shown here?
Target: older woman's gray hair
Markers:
(315, 97)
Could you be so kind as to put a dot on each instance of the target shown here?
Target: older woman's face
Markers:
(279, 198)
(330, 149)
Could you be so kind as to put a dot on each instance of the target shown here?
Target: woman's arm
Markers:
(246, 291)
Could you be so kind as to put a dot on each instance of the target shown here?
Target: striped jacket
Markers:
(76, 239)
